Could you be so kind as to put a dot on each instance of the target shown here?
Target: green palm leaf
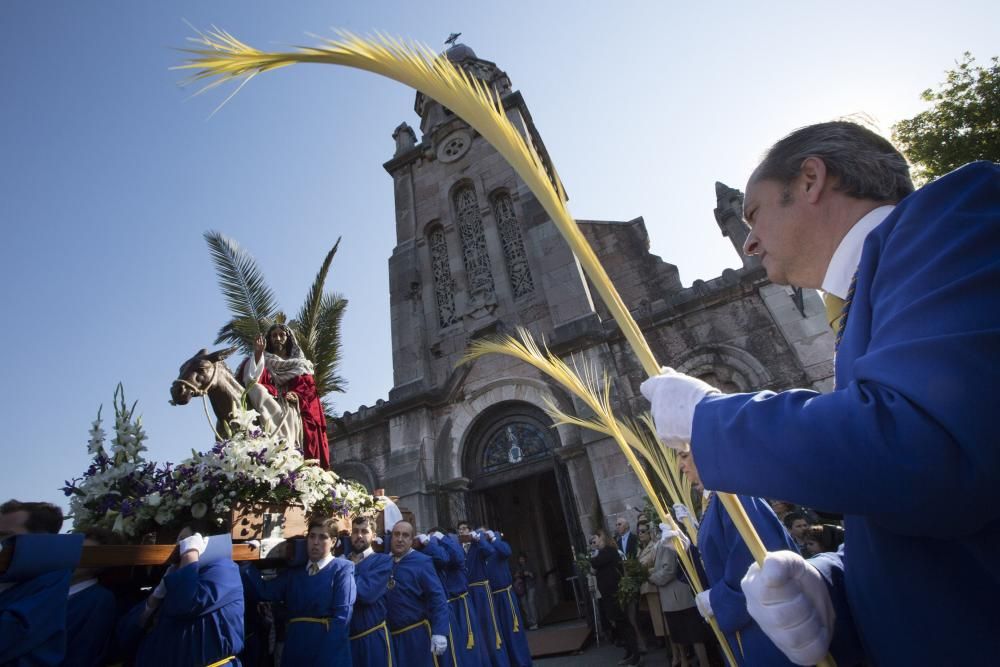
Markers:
(247, 294)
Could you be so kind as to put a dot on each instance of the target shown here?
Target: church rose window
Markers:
(444, 286)
(513, 443)
(470, 227)
(521, 282)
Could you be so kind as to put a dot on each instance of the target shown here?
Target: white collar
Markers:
(81, 586)
(321, 563)
(365, 554)
(408, 552)
(847, 256)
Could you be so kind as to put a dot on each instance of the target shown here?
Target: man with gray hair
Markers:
(904, 437)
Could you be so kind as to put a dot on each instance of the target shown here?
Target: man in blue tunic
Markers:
(418, 607)
(319, 595)
(478, 551)
(466, 648)
(726, 559)
(904, 440)
(371, 645)
(92, 611)
(195, 613)
(512, 627)
(34, 587)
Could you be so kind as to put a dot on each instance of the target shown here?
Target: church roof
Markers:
(460, 52)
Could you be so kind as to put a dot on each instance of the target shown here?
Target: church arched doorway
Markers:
(518, 485)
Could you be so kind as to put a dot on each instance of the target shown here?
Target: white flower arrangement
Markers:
(134, 497)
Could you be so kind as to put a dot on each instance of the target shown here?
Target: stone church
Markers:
(476, 255)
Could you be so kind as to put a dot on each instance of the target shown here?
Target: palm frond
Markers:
(247, 294)
(307, 320)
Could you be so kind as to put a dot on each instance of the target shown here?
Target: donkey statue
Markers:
(206, 374)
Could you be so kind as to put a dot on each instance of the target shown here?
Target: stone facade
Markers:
(476, 255)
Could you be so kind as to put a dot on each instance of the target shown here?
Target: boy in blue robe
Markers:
(467, 648)
(371, 644)
(194, 615)
(478, 551)
(417, 605)
(91, 612)
(726, 559)
(34, 587)
(320, 597)
(512, 627)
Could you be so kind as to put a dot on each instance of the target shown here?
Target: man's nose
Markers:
(751, 246)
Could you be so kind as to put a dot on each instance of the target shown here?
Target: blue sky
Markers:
(110, 171)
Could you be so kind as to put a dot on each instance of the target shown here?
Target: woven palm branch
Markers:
(247, 294)
(594, 389)
(220, 57)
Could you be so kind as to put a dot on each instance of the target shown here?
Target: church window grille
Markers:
(512, 444)
(444, 286)
(474, 253)
(521, 282)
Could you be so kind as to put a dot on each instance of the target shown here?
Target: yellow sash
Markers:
(510, 600)
(325, 622)
(464, 597)
(424, 623)
(220, 663)
(385, 633)
(493, 614)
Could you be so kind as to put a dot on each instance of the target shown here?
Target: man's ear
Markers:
(813, 177)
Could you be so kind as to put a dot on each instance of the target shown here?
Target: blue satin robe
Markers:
(469, 647)
(371, 576)
(91, 617)
(488, 625)
(417, 595)
(512, 628)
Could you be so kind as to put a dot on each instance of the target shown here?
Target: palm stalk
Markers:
(595, 392)
(220, 57)
(247, 294)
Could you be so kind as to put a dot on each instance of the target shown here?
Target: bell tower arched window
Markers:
(474, 254)
(444, 286)
(516, 258)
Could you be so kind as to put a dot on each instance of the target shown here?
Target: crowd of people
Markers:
(435, 599)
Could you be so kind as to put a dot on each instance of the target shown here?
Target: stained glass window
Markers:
(474, 254)
(521, 282)
(514, 443)
(444, 286)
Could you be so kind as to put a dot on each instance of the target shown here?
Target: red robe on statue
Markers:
(314, 441)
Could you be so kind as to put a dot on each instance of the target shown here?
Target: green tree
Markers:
(254, 309)
(963, 124)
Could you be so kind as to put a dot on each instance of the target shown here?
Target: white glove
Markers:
(491, 535)
(438, 534)
(704, 602)
(160, 591)
(667, 536)
(423, 539)
(789, 600)
(673, 397)
(439, 644)
(193, 543)
(476, 536)
(683, 512)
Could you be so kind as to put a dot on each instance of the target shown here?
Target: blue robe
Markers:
(726, 560)
(371, 645)
(33, 610)
(91, 617)
(467, 647)
(417, 609)
(482, 599)
(512, 628)
(319, 610)
(905, 446)
(199, 622)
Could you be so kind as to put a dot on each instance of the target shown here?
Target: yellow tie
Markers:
(313, 569)
(834, 310)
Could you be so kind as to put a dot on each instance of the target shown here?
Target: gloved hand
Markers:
(683, 512)
(673, 397)
(490, 535)
(476, 535)
(423, 539)
(667, 535)
(438, 534)
(790, 602)
(193, 543)
(439, 644)
(704, 602)
(253, 544)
